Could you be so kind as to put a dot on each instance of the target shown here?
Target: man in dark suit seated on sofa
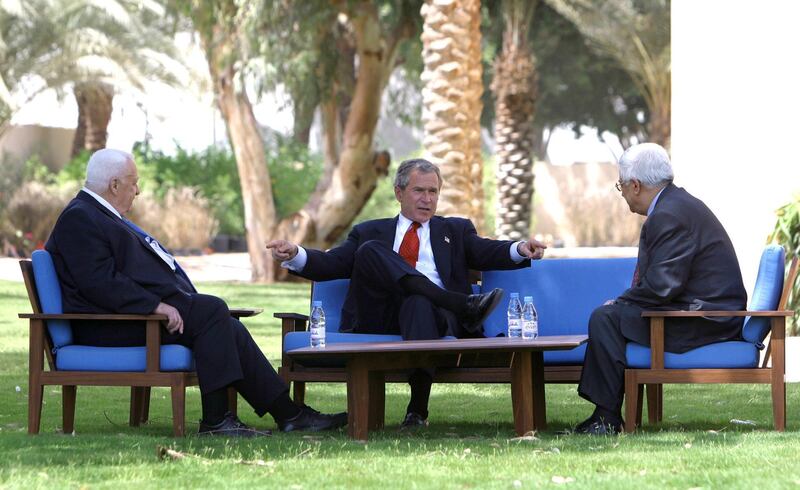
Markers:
(686, 262)
(107, 264)
(409, 275)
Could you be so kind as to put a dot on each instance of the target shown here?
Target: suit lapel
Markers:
(118, 221)
(440, 244)
(386, 231)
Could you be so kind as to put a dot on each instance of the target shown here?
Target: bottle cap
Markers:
(529, 299)
(515, 295)
(314, 304)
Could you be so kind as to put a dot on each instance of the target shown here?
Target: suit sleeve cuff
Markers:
(515, 255)
(298, 263)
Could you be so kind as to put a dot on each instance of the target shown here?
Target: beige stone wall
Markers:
(52, 145)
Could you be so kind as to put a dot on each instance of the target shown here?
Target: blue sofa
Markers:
(565, 292)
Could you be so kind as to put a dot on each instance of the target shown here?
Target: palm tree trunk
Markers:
(95, 105)
(515, 88)
(452, 103)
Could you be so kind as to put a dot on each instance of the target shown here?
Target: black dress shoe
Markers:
(479, 306)
(599, 426)
(413, 421)
(311, 420)
(230, 426)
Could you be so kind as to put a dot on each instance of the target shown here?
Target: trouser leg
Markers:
(226, 354)
(420, 319)
(603, 374)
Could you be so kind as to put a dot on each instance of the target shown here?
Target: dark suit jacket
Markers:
(687, 262)
(103, 266)
(456, 246)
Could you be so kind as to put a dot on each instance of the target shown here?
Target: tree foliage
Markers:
(577, 86)
(636, 34)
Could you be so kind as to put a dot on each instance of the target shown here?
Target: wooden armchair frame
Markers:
(140, 382)
(657, 375)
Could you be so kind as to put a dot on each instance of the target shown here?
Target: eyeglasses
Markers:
(620, 184)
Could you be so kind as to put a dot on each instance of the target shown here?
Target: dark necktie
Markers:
(150, 240)
(409, 247)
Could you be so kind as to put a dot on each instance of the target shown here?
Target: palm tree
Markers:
(451, 51)
(96, 48)
(515, 88)
(637, 35)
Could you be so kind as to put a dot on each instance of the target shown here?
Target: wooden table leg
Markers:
(358, 395)
(537, 376)
(522, 392)
(377, 399)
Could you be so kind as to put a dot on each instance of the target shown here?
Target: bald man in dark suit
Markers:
(106, 264)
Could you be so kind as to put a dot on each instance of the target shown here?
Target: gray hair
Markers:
(105, 165)
(648, 163)
(405, 169)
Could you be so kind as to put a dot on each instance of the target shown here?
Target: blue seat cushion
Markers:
(49, 291)
(766, 293)
(722, 355)
(565, 357)
(89, 358)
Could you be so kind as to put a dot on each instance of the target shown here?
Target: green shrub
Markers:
(211, 171)
(787, 233)
(294, 172)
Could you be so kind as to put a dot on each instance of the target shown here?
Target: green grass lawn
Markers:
(469, 444)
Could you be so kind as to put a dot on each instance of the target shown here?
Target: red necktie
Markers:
(409, 247)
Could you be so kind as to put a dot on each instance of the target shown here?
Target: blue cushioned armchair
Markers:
(72, 365)
(723, 362)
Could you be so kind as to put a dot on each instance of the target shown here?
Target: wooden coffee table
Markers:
(367, 363)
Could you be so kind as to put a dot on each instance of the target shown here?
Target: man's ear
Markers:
(113, 185)
(397, 192)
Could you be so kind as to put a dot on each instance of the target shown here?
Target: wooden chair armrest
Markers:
(153, 345)
(701, 313)
(245, 312)
(657, 326)
(294, 316)
(90, 316)
(290, 322)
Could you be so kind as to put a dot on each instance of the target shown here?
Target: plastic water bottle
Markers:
(514, 316)
(317, 325)
(530, 320)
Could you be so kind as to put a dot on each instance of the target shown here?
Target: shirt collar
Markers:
(403, 222)
(102, 201)
(655, 200)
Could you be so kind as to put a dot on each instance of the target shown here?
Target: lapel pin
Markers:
(446, 239)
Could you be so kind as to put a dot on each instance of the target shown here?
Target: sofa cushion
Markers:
(565, 291)
(89, 358)
(734, 354)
